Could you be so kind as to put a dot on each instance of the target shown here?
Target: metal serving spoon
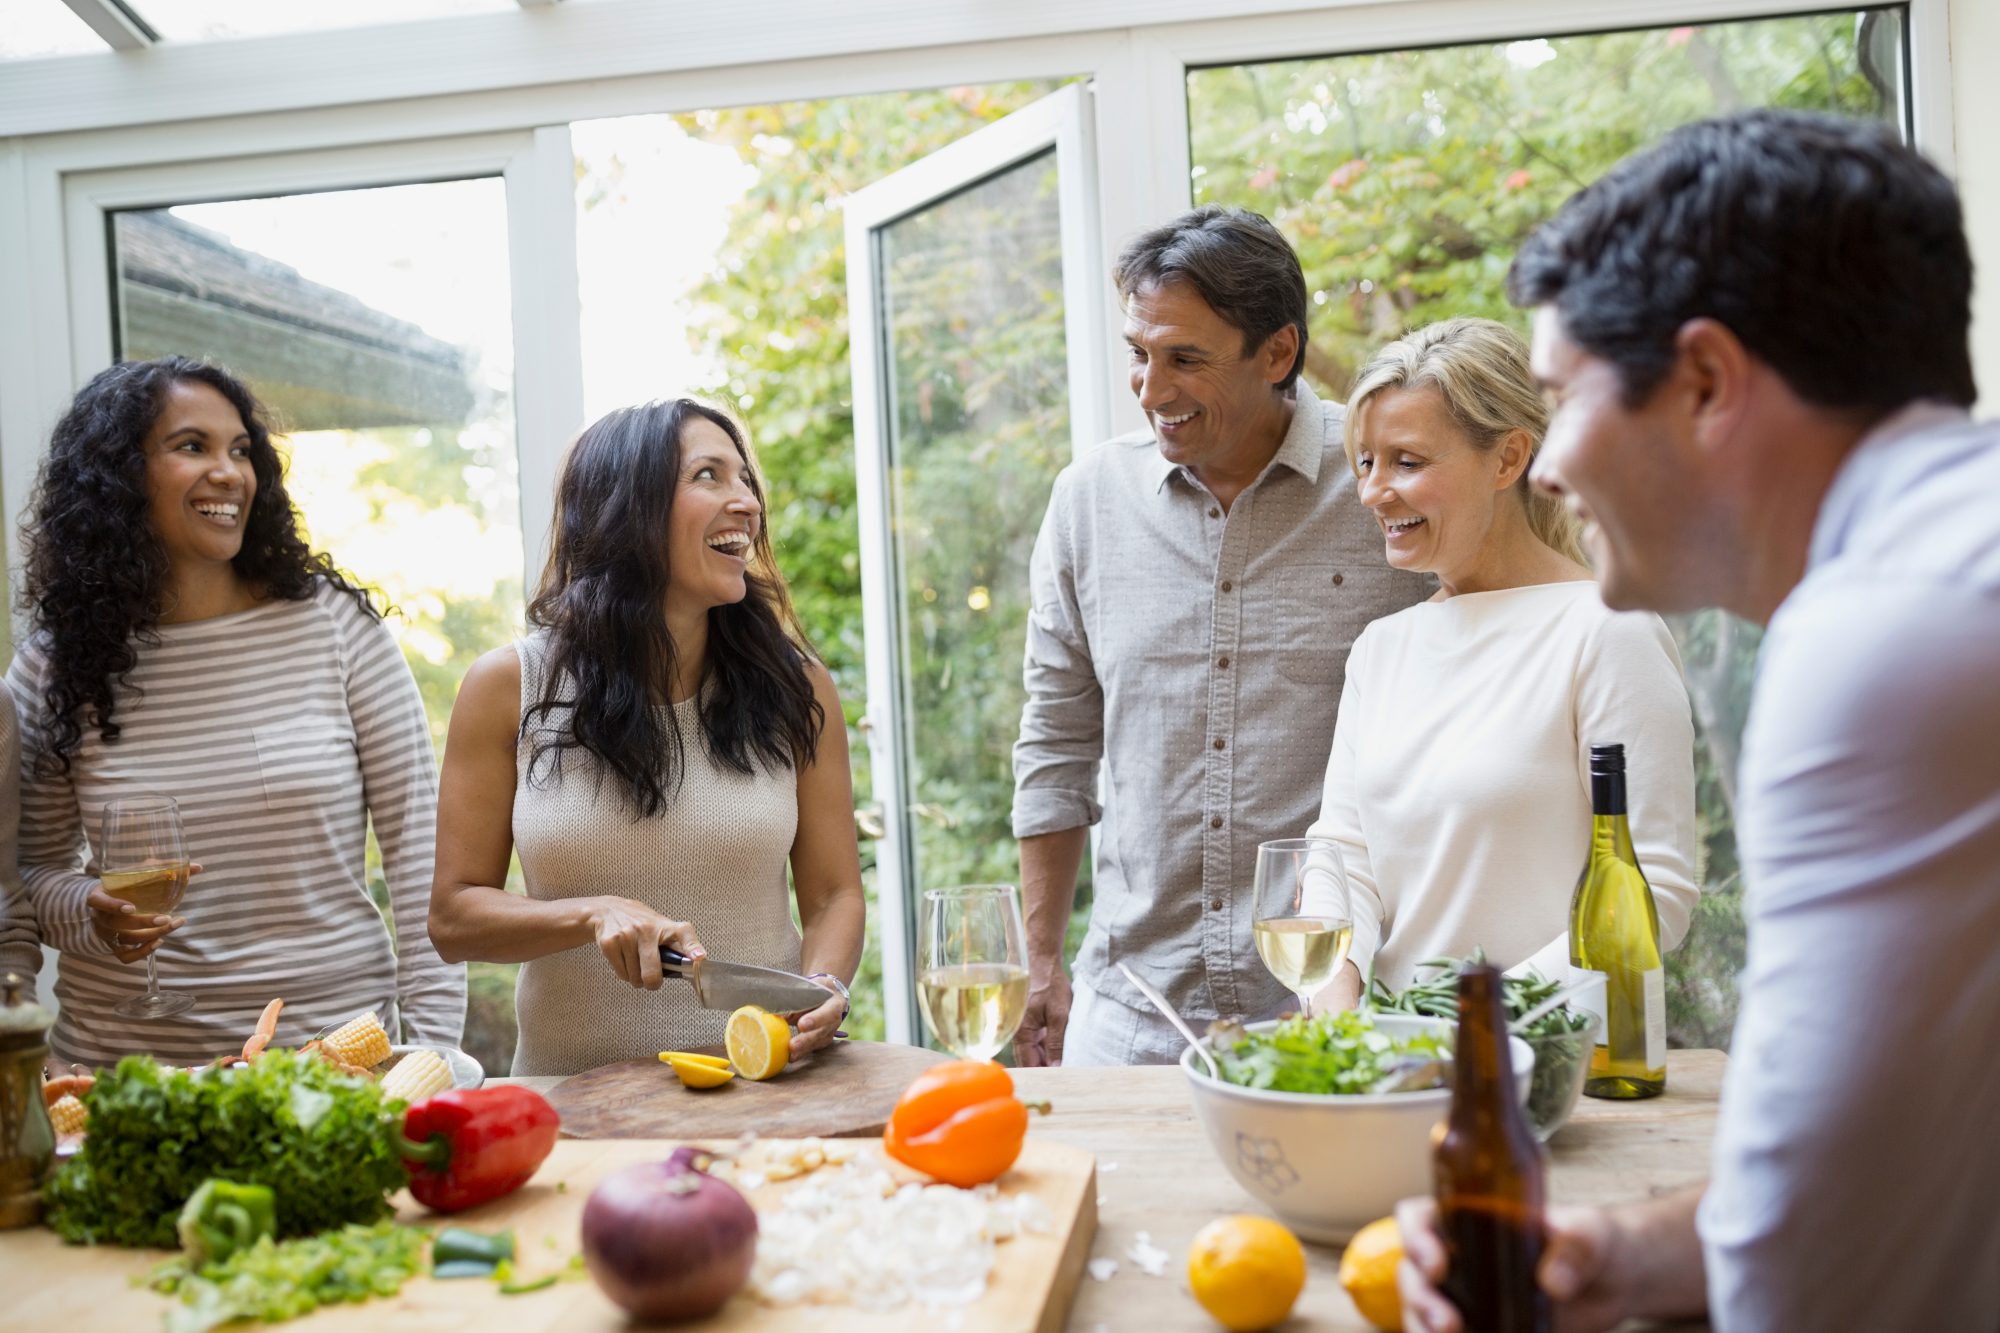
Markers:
(1160, 1003)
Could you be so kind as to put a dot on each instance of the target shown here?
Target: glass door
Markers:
(976, 300)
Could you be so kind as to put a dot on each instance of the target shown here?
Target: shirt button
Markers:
(1215, 904)
(1213, 512)
(1215, 821)
(1339, 579)
(1218, 742)
(1222, 662)
(1227, 585)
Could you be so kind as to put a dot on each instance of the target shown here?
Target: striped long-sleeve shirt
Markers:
(281, 731)
(20, 950)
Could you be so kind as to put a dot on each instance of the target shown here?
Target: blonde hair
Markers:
(1480, 370)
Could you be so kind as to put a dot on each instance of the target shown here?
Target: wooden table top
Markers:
(1157, 1174)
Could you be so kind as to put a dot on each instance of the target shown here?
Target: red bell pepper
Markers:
(468, 1146)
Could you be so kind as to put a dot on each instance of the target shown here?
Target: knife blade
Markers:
(719, 985)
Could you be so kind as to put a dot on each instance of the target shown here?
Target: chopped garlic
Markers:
(1104, 1269)
(1146, 1256)
(851, 1235)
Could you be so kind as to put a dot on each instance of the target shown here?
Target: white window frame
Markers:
(536, 168)
(1062, 122)
(372, 92)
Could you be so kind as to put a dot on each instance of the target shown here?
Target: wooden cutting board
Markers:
(840, 1091)
(51, 1285)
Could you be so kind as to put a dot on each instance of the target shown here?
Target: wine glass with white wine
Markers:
(972, 967)
(143, 856)
(1303, 925)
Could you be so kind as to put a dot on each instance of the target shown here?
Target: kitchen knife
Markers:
(719, 985)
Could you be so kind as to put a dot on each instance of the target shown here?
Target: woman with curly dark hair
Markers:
(658, 750)
(186, 641)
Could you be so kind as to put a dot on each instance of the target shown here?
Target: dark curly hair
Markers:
(602, 598)
(96, 571)
(1832, 250)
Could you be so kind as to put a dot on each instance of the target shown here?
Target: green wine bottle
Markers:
(1614, 935)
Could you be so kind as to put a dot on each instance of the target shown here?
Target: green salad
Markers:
(1324, 1053)
(1436, 996)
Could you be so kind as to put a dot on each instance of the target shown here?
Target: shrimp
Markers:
(54, 1089)
(267, 1028)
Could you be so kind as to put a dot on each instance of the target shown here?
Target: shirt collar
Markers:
(1860, 474)
(1302, 449)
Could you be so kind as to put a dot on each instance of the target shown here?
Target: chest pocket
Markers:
(1291, 615)
(303, 762)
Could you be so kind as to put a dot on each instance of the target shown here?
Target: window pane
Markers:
(45, 28)
(193, 20)
(375, 325)
(1407, 179)
(978, 407)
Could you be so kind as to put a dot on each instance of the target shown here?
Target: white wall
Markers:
(1975, 83)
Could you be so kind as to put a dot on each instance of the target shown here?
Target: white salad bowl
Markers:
(1329, 1164)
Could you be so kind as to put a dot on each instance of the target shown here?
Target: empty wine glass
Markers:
(143, 853)
(972, 962)
(1303, 925)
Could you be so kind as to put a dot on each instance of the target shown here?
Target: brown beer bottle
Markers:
(1488, 1172)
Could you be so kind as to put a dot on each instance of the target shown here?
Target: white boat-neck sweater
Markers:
(1459, 782)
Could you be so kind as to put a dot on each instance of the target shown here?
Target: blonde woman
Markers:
(1458, 786)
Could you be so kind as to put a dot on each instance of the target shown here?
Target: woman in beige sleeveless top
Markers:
(659, 749)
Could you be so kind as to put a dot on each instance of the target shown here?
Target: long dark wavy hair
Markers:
(603, 598)
(96, 574)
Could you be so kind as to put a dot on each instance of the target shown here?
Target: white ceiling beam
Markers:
(117, 24)
(556, 44)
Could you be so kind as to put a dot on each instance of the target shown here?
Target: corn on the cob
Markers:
(68, 1114)
(416, 1076)
(359, 1041)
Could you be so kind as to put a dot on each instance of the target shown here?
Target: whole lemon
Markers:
(1246, 1271)
(1368, 1272)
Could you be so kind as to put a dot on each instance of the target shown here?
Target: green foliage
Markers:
(320, 1140)
(1407, 179)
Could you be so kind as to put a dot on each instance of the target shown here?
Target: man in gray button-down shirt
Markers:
(1196, 589)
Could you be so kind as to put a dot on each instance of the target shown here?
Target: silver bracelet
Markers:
(846, 1003)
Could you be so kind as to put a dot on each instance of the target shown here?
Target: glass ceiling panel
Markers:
(44, 28)
(197, 20)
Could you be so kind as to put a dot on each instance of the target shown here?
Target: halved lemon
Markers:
(713, 1061)
(696, 1073)
(759, 1042)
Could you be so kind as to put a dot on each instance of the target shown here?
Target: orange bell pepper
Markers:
(959, 1123)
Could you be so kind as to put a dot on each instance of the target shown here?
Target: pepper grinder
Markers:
(27, 1139)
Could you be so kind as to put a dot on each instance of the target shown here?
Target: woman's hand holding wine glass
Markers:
(144, 871)
(131, 933)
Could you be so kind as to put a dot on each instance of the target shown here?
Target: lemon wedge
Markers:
(758, 1041)
(713, 1061)
(696, 1073)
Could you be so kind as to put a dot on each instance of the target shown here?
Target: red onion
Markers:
(667, 1241)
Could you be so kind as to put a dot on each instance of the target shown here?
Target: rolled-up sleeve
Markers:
(1062, 724)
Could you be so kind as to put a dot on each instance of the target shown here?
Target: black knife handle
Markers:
(675, 963)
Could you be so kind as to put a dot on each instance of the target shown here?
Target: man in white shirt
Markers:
(1755, 335)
